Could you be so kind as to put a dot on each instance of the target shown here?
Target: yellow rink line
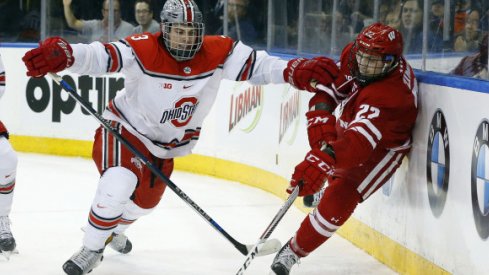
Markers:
(385, 250)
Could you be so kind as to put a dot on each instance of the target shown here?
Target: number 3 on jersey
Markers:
(367, 111)
(139, 37)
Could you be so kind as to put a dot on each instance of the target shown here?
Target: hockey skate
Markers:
(284, 260)
(7, 241)
(313, 200)
(83, 261)
(120, 243)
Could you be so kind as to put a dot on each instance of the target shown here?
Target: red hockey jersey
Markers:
(374, 126)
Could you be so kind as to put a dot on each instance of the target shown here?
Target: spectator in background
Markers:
(436, 15)
(469, 39)
(212, 10)
(411, 26)
(360, 12)
(392, 19)
(30, 27)
(10, 19)
(97, 30)
(485, 16)
(384, 9)
(462, 10)
(435, 37)
(474, 65)
(144, 17)
(240, 24)
(318, 33)
(393, 15)
(395, 6)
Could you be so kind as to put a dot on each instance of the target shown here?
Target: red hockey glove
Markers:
(312, 172)
(300, 72)
(53, 55)
(320, 128)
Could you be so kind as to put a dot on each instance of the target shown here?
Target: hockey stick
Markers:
(270, 247)
(271, 227)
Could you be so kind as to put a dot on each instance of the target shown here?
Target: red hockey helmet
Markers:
(375, 53)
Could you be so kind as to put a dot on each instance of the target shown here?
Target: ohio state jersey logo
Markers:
(181, 114)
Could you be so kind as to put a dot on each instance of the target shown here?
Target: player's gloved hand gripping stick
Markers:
(268, 247)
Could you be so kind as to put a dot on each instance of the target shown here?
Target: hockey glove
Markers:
(320, 128)
(312, 172)
(300, 72)
(53, 55)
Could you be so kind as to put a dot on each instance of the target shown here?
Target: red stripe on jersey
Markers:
(246, 70)
(112, 147)
(98, 158)
(188, 10)
(3, 129)
(113, 109)
(245, 74)
(114, 65)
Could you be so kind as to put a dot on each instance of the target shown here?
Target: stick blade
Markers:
(269, 247)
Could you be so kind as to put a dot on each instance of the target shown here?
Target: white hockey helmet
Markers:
(182, 28)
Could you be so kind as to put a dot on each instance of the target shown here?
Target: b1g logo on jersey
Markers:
(181, 114)
(480, 179)
(438, 163)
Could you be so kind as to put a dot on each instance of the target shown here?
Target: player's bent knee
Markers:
(339, 201)
(8, 163)
(117, 184)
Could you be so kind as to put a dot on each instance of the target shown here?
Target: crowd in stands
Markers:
(324, 31)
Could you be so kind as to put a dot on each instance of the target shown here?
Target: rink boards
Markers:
(432, 217)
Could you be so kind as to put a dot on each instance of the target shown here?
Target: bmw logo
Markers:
(480, 179)
(438, 163)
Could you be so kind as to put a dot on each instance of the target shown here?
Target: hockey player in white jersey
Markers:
(171, 82)
(8, 168)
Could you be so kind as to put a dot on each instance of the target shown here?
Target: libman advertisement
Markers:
(261, 126)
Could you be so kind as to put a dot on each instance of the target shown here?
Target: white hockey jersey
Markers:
(164, 101)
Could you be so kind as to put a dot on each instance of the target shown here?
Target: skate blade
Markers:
(269, 247)
(7, 254)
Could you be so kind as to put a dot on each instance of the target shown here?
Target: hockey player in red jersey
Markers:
(171, 82)
(8, 169)
(361, 147)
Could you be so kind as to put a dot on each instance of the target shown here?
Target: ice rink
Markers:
(53, 197)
